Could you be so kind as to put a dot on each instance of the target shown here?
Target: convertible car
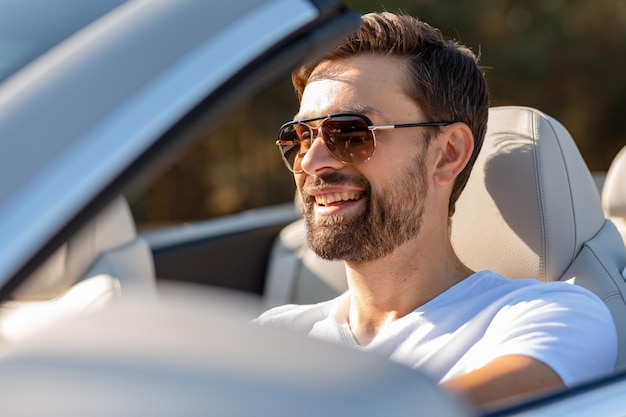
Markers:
(98, 319)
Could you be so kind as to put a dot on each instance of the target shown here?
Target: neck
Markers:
(389, 288)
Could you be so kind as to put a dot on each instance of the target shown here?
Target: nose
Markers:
(318, 158)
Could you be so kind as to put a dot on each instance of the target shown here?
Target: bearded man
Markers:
(389, 126)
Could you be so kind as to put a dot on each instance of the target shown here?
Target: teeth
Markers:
(326, 199)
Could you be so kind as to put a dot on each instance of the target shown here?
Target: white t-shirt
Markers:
(484, 317)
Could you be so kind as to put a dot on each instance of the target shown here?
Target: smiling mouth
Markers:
(337, 198)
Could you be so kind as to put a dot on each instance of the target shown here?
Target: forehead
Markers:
(366, 84)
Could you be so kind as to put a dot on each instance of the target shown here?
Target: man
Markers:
(389, 126)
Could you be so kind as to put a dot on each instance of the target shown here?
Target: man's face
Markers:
(363, 212)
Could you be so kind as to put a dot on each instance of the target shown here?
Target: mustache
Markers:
(335, 178)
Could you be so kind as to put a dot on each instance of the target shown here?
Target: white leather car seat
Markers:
(614, 192)
(530, 209)
(102, 260)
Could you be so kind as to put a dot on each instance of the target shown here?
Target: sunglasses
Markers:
(348, 137)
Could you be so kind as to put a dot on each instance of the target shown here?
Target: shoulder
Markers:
(524, 290)
(562, 325)
(556, 308)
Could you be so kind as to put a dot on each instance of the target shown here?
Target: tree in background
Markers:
(566, 58)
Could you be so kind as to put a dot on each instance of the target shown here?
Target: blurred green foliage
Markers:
(566, 58)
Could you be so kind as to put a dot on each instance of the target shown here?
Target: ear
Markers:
(456, 144)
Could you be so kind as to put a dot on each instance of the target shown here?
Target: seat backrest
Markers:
(102, 260)
(530, 210)
(614, 192)
(531, 190)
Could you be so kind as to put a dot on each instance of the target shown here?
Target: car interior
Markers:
(103, 258)
(530, 209)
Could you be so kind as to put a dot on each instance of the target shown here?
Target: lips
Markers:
(337, 198)
(334, 190)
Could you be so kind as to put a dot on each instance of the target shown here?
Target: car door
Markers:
(604, 397)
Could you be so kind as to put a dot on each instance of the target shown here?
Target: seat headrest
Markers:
(112, 227)
(614, 189)
(530, 202)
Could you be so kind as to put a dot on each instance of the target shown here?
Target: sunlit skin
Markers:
(425, 265)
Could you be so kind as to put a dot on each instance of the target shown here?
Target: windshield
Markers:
(29, 28)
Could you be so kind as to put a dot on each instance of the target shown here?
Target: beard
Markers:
(390, 217)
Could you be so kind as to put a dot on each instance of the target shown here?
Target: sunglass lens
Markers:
(348, 138)
(294, 141)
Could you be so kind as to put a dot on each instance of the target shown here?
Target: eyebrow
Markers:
(353, 108)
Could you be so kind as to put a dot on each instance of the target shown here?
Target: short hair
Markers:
(443, 77)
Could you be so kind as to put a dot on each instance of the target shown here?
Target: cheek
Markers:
(299, 180)
(383, 167)
(394, 149)
(394, 167)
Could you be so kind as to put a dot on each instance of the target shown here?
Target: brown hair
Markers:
(443, 76)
